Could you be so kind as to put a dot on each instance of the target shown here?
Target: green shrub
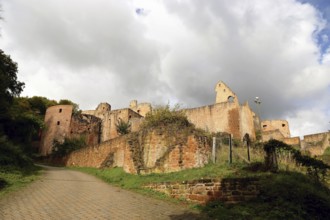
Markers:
(123, 127)
(164, 116)
(11, 156)
(282, 196)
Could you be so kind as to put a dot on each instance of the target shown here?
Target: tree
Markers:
(76, 109)
(10, 87)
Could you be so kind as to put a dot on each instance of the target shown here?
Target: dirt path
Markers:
(66, 194)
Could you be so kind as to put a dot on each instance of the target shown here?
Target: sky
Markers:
(175, 51)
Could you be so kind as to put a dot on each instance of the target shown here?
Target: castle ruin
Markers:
(98, 127)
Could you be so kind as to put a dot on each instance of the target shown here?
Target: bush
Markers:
(164, 116)
(282, 196)
(11, 156)
(123, 127)
(69, 145)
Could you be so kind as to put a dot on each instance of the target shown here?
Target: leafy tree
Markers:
(76, 109)
(40, 104)
(123, 127)
(10, 87)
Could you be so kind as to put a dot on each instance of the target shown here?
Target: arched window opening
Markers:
(60, 110)
(231, 99)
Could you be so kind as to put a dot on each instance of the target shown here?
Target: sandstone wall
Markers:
(212, 118)
(57, 126)
(247, 121)
(294, 141)
(141, 108)
(281, 125)
(230, 190)
(87, 127)
(224, 117)
(145, 153)
(272, 134)
(107, 154)
(316, 143)
(110, 118)
(109, 129)
(224, 93)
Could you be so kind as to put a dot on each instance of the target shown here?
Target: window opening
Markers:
(231, 99)
(58, 122)
(60, 110)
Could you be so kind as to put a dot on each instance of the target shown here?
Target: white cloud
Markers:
(309, 121)
(104, 51)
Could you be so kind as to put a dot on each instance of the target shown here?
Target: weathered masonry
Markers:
(98, 127)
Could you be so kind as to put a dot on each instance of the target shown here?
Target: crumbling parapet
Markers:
(140, 108)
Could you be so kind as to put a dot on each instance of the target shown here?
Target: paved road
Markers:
(66, 194)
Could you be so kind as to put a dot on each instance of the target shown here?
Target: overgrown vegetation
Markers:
(61, 149)
(123, 127)
(165, 116)
(284, 195)
(16, 168)
(315, 168)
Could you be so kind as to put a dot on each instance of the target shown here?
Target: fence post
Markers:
(248, 149)
(213, 150)
(230, 149)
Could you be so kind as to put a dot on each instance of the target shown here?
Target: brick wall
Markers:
(230, 190)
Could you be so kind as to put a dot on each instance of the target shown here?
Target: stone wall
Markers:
(224, 93)
(87, 127)
(294, 141)
(224, 117)
(230, 190)
(316, 143)
(153, 151)
(272, 134)
(247, 121)
(108, 154)
(280, 125)
(141, 108)
(57, 126)
(110, 118)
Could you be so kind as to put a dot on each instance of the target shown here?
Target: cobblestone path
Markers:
(66, 194)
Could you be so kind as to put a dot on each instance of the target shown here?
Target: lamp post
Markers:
(257, 100)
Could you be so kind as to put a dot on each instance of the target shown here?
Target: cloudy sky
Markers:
(176, 51)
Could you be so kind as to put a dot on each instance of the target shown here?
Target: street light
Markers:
(257, 100)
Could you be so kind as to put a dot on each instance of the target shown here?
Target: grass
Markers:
(117, 177)
(284, 195)
(13, 179)
(16, 168)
